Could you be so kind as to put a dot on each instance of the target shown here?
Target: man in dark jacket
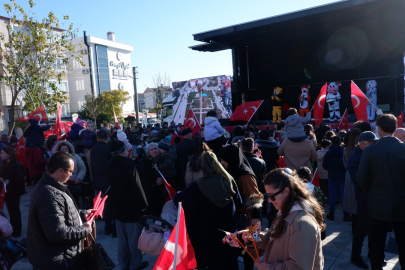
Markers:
(362, 224)
(55, 226)
(269, 149)
(333, 163)
(184, 150)
(257, 164)
(100, 155)
(129, 201)
(381, 177)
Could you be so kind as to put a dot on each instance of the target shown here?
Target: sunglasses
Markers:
(272, 197)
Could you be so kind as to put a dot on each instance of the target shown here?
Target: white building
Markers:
(107, 67)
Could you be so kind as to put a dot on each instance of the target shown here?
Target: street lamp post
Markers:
(134, 72)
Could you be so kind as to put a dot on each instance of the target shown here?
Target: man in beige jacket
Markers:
(297, 154)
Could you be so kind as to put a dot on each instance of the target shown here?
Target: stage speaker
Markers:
(234, 87)
(394, 71)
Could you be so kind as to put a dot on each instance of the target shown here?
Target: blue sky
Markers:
(161, 31)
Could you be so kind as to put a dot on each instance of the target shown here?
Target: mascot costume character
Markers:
(304, 99)
(371, 94)
(332, 98)
(277, 104)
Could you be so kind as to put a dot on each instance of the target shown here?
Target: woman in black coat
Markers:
(12, 174)
(152, 182)
(210, 205)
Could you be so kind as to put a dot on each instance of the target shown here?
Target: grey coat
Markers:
(381, 177)
(294, 125)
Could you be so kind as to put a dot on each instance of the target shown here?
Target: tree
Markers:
(92, 107)
(160, 82)
(32, 53)
(114, 100)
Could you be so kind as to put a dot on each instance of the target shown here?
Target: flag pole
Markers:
(254, 113)
(177, 237)
(341, 118)
(314, 175)
(164, 179)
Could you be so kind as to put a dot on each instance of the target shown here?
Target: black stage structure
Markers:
(357, 40)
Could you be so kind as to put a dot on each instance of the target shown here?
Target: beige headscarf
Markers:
(216, 184)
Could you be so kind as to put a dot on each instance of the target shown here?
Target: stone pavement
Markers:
(336, 246)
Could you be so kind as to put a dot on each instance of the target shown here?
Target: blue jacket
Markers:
(352, 166)
(34, 133)
(212, 128)
(333, 163)
(74, 132)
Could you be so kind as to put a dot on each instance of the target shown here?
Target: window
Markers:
(62, 86)
(79, 85)
(80, 104)
(59, 65)
(65, 110)
(102, 68)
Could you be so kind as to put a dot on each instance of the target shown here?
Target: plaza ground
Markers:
(336, 247)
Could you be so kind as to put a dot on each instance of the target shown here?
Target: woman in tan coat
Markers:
(294, 239)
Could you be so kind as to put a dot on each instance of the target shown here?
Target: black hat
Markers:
(367, 136)
(117, 147)
(186, 131)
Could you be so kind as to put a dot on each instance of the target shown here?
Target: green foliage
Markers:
(114, 100)
(32, 53)
(152, 110)
(91, 108)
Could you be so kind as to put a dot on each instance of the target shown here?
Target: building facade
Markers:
(150, 96)
(141, 102)
(107, 67)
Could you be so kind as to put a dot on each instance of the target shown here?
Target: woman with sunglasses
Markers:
(294, 239)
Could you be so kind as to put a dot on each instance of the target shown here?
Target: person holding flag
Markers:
(129, 202)
(209, 206)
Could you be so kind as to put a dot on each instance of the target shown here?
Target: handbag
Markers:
(151, 241)
(95, 256)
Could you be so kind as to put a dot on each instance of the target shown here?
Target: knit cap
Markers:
(117, 147)
(164, 144)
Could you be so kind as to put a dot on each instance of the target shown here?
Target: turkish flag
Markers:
(401, 120)
(56, 127)
(359, 102)
(39, 114)
(116, 121)
(344, 121)
(319, 105)
(245, 111)
(315, 178)
(192, 122)
(169, 188)
(20, 152)
(185, 256)
(281, 163)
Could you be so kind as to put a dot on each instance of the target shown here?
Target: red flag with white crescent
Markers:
(39, 114)
(319, 105)
(185, 256)
(245, 111)
(56, 127)
(344, 121)
(192, 122)
(20, 152)
(359, 102)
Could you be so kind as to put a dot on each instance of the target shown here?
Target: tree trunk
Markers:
(12, 116)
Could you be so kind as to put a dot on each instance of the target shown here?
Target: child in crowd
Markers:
(333, 163)
(87, 135)
(167, 160)
(323, 174)
(294, 125)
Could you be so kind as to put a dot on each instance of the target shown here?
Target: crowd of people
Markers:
(225, 180)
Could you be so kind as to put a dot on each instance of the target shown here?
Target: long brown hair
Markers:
(279, 179)
(9, 151)
(353, 140)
